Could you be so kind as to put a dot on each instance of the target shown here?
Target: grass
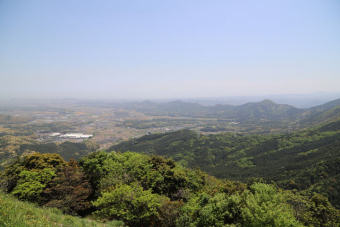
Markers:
(21, 214)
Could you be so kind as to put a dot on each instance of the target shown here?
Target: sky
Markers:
(168, 49)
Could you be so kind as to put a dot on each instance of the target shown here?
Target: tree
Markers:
(265, 206)
(41, 161)
(31, 184)
(69, 190)
(262, 205)
(131, 204)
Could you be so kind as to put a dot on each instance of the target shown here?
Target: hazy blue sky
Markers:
(168, 49)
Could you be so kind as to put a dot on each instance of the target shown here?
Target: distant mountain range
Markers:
(297, 100)
(265, 110)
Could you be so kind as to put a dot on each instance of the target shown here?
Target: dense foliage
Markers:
(307, 160)
(143, 190)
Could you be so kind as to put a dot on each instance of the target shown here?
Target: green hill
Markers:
(317, 116)
(265, 110)
(306, 160)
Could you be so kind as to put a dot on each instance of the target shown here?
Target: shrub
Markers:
(131, 204)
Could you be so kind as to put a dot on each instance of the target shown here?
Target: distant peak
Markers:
(177, 101)
(267, 101)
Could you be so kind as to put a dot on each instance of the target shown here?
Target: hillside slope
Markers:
(306, 160)
(18, 213)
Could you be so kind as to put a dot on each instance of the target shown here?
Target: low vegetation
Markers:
(24, 214)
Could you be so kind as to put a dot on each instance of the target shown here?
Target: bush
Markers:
(262, 205)
(31, 184)
(70, 191)
(131, 204)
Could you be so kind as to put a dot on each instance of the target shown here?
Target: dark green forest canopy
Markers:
(306, 160)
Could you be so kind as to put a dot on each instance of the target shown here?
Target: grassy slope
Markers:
(20, 214)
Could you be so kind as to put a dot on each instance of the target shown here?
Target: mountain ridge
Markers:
(266, 110)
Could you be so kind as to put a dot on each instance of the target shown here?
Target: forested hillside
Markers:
(140, 190)
(307, 160)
